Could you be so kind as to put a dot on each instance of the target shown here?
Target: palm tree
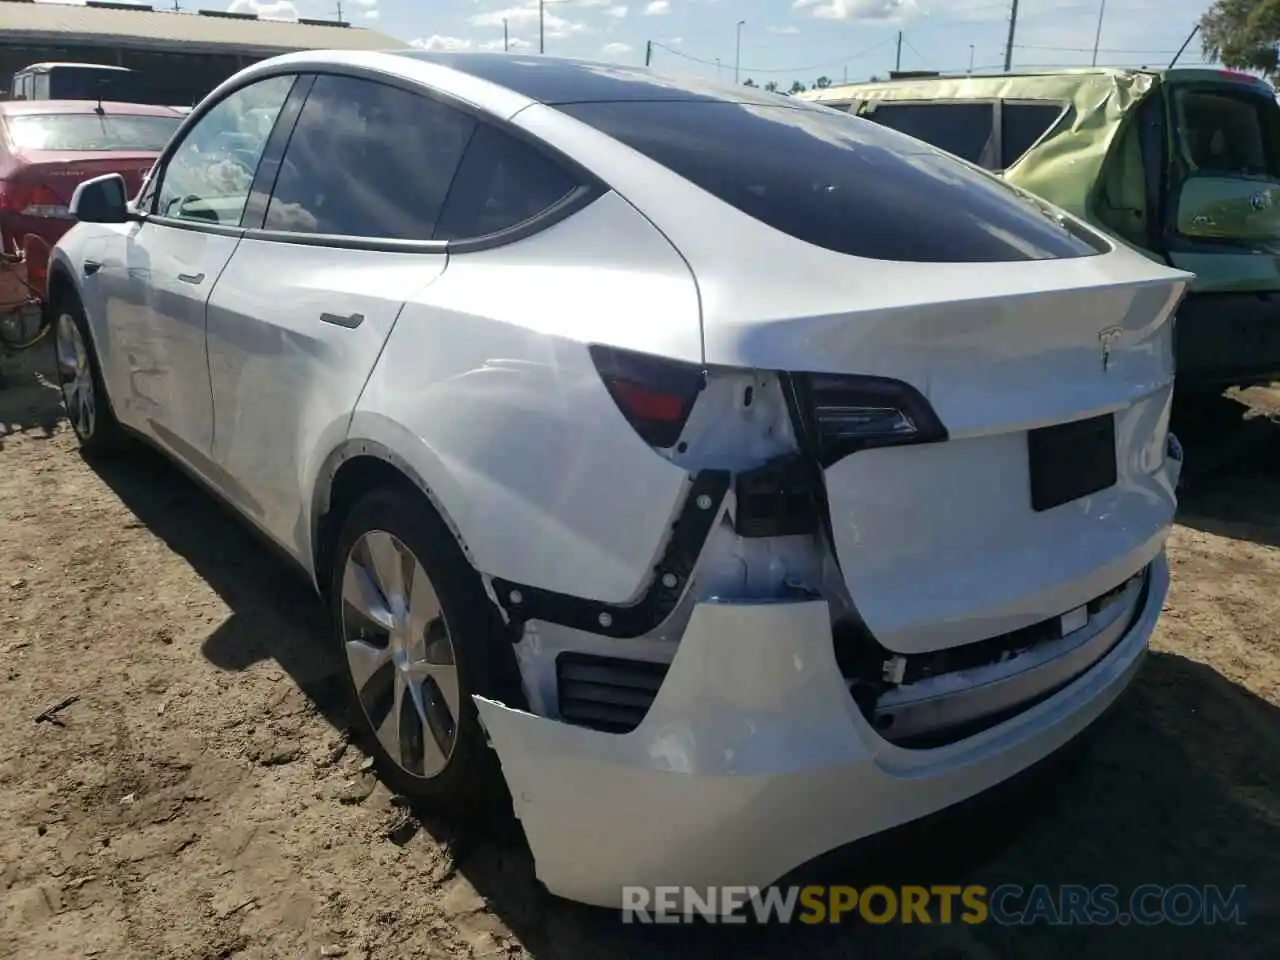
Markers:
(771, 86)
(797, 87)
(822, 83)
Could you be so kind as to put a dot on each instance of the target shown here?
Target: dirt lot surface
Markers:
(199, 798)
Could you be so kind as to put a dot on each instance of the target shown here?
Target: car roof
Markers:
(560, 80)
(26, 108)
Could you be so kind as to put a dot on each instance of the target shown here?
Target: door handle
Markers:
(191, 277)
(350, 322)
(91, 267)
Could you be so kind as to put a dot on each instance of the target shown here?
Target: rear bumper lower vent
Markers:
(606, 693)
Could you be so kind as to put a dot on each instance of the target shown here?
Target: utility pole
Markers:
(1097, 37)
(506, 40)
(717, 68)
(542, 33)
(897, 63)
(648, 52)
(339, 11)
(737, 58)
(1013, 28)
(971, 58)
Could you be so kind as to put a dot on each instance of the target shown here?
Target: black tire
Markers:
(470, 785)
(101, 435)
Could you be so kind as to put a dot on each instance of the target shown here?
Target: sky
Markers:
(781, 40)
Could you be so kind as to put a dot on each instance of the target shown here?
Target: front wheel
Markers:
(80, 378)
(417, 639)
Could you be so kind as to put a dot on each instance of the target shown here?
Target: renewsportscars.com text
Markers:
(1006, 905)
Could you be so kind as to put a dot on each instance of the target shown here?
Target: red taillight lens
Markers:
(30, 199)
(656, 395)
(841, 414)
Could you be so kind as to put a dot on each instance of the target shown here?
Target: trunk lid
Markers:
(63, 171)
(942, 544)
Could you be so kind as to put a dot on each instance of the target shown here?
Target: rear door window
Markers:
(502, 183)
(368, 160)
(1021, 125)
(965, 129)
(837, 181)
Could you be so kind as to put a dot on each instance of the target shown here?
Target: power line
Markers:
(749, 70)
(915, 51)
(1023, 46)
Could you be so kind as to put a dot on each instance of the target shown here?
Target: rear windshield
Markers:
(837, 181)
(91, 132)
(1230, 133)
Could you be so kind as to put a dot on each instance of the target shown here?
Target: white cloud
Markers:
(437, 42)
(858, 9)
(615, 49)
(786, 30)
(658, 8)
(371, 14)
(557, 28)
(275, 9)
(617, 12)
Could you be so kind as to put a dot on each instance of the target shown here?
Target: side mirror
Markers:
(101, 200)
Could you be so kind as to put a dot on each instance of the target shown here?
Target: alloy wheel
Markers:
(400, 654)
(75, 376)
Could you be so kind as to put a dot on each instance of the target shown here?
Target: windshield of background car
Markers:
(90, 132)
(837, 181)
(1228, 132)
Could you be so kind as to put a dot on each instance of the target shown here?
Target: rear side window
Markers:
(838, 182)
(1021, 125)
(964, 129)
(368, 160)
(89, 132)
(502, 183)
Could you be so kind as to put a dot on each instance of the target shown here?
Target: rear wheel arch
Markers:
(348, 473)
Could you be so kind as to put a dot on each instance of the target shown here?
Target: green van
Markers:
(1183, 164)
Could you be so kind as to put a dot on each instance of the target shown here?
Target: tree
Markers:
(822, 83)
(797, 87)
(771, 86)
(749, 83)
(1243, 34)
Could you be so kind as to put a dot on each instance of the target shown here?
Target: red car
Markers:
(47, 147)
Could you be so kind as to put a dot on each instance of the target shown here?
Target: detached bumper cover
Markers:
(754, 759)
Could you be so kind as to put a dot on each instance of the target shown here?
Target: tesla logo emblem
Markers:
(1260, 201)
(1109, 338)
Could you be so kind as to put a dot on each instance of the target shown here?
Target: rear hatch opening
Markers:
(772, 541)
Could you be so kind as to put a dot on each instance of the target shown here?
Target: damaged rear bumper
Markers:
(754, 758)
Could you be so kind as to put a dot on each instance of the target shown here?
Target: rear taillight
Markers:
(31, 200)
(656, 395)
(838, 415)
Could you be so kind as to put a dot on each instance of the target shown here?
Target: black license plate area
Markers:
(1071, 460)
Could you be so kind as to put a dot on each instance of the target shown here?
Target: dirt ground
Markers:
(199, 798)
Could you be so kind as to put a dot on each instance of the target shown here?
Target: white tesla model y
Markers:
(733, 477)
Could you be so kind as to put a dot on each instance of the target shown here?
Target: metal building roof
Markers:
(27, 22)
